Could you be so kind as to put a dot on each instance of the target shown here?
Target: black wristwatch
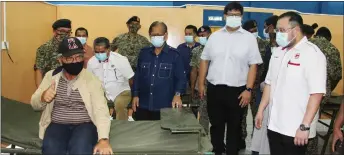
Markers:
(249, 89)
(304, 127)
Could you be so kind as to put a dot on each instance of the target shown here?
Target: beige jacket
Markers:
(92, 93)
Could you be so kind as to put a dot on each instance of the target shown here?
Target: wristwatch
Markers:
(177, 94)
(304, 127)
(248, 89)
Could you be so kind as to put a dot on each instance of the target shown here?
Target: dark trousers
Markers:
(284, 145)
(223, 107)
(71, 139)
(145, 115)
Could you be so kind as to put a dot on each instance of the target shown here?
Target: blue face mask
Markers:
(203, 40)
(82, 40)
(101, 56)
(189, 39)
(157, 41)
(282, 39)
(266, 35)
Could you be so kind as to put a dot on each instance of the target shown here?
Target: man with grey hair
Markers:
(159, 78)
(295, 82)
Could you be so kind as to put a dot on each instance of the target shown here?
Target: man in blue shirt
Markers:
(159, 78)
(186, 48)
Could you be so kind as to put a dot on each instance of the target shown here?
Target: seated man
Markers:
(75, 118)
(159, 77)
(114, 71)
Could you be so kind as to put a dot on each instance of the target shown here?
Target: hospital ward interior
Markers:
(139, 77)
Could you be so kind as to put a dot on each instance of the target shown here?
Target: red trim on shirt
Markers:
(294, 64)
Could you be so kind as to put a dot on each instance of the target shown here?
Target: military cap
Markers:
(133, 19)
(249, 25)
(70, 46)
(62, 23)
(204, 28)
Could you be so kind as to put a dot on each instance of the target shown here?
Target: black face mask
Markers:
(73, 68)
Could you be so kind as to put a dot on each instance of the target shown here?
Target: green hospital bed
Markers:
(178, 132)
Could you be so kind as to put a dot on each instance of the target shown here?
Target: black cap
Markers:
(70, 46)
(62, 23)
(249, 25)
(204, 28)
(133, 19)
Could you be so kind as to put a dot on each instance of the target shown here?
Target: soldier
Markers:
(334, 72)
(251, 26)
(309, 30)
(270, 26)
(46, 55)
(129, 44)
(203, 33)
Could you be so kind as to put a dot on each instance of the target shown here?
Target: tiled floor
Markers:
(320, 128)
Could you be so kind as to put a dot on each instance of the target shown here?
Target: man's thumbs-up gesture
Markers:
(49, 94)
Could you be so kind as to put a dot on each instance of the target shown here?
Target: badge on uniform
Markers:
(297, 55)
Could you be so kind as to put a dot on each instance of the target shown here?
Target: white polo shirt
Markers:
(293, 76)
(230, 54)
(114, 74)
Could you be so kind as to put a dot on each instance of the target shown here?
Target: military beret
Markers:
(133, 19)
(249, 25)
(62, 23)
(204, 28)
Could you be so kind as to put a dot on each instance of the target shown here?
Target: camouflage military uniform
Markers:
(261, 44)
(129, 45)
(195, 62)
(46, 56)
(334, 75)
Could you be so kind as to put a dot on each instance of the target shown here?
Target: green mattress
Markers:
(178, 132)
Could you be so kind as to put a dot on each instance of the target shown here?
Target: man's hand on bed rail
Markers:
(49, 94)
(103, 148)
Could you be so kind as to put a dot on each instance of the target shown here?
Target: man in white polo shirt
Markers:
(115, 72)
(232, 54)
(295, 85)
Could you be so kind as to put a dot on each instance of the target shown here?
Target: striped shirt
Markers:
(69, 107)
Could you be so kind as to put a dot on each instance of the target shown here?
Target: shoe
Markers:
(131, 119)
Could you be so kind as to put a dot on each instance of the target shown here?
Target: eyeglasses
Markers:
(71, 59)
